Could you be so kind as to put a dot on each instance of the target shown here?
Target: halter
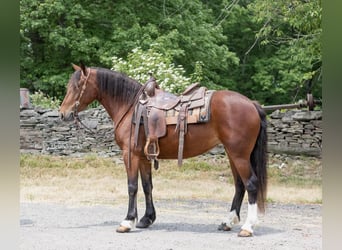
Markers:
(77, 103)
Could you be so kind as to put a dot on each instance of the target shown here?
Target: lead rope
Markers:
(78, 121)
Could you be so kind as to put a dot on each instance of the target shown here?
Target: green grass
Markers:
(300, 171)
(46, 161)
(290, 179)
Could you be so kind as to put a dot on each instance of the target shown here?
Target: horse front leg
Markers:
(132, 182)
(146, 180)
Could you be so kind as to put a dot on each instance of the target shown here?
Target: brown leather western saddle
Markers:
(157, 108)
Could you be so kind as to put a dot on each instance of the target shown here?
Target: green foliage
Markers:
(54, 34)
(38, 99)
(267, 50)
(293, 32)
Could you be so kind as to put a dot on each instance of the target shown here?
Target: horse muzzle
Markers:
(67, 116)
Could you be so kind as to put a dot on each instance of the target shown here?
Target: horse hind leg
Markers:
(252, 211)
(253, 172)
(250, 182)
(245, 180)
(234, 214)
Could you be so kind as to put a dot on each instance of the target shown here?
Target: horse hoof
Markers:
(144, 224)
(122, 229)
(245, 233)
(224, 227)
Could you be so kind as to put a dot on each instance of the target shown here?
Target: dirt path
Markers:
(179, 225)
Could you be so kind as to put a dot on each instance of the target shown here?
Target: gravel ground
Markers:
(179, 225)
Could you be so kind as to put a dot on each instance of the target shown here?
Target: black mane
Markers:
(117, 85)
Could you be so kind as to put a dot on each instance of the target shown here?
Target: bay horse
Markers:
(235, 121)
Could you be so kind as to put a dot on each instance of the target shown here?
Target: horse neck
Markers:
(114, 108)
(115, 93)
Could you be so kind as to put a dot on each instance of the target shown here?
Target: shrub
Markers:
(140, 64)
(39, 99)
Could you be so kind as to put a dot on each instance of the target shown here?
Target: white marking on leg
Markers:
(252, 218)
(128, 223)
(232, 219)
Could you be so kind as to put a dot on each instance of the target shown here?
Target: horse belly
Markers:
(199, 139)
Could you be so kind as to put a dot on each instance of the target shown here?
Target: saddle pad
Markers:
(200, 114)
(195, 96)
(156, 120)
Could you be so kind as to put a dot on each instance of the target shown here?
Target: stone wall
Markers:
(295, 132)
(41, 131)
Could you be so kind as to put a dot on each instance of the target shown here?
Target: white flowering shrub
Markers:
(141, 63)
(39, 99)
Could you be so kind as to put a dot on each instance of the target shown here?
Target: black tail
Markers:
(259, 159)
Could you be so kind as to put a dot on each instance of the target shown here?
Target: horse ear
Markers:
(76, 67)
(83, 67)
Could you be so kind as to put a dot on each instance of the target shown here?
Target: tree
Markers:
(268, 50)
(293, 32)
(55, 33)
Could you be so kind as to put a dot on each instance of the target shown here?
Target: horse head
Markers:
(81, 91)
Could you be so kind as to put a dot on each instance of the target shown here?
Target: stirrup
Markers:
(152, 156)
(151, 149)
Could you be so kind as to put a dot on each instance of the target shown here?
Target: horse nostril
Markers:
(66, 116)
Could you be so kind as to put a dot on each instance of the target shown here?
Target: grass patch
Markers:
(92, 179)
(204, 164)
(298, 171)
(46, 161)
